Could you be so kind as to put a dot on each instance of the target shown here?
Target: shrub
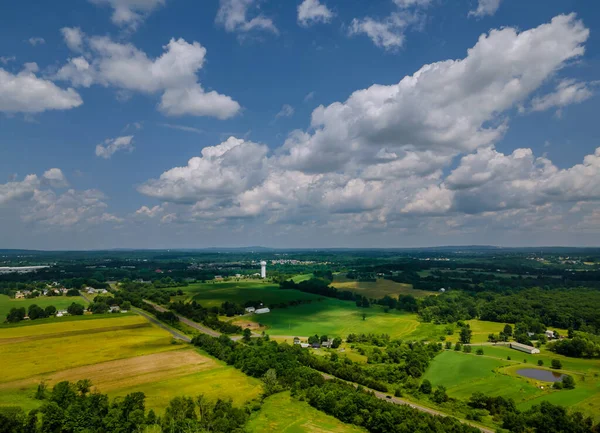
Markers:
(556, 364)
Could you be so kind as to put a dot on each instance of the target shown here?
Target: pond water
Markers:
(545, 375)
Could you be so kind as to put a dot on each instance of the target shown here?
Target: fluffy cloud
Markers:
(130, 12)
(67, 209)
(233, 16)
(448, 107)
(7, 59)
(380, 159)
(567, 92)
(113, 145)
(387, 33)
(485, 7)
(39, 204)
(18, 190)
(56, 178)
(174, 73)
(312, 11)
(74, 38)
(148, 212)
(27, 93)
(36, 41)
(228, 168)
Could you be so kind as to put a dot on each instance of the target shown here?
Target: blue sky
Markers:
(304, 123)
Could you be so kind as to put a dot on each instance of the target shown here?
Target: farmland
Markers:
(60, 302)
(282, 413)
(214, 294)
(462, 374)
(336, 318)
(378, 289)
(120, 356)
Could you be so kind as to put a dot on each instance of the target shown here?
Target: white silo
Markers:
(263, 269)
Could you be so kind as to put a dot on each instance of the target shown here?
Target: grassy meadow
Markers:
(119, 355)
(281, 413)
(377, 289)
(493, 374)
(213, 294)
(60, 302)
(336, 318)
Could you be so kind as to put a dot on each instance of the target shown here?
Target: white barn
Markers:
(262, 311)
(524, 348)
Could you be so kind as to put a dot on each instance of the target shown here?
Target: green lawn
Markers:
(282, 413)
(494, 375)
(336, 318)
(214, 294)
(60, 302)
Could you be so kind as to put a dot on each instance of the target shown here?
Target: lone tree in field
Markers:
(465, 334)
(556, 364)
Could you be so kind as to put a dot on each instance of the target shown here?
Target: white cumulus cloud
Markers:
(312, 12)
(27, 93)
(174, 74)
(112, 145)
(130, 13)
(233, 16)
(485, 7)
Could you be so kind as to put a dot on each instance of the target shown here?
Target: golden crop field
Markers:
(161, 376)
(31, 356)
(377, 289)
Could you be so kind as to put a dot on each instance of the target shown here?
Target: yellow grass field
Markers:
(22, 359)
(377, 289)
(119, 355)
(160, 376)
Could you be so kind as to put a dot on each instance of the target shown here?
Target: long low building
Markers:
(524, 348)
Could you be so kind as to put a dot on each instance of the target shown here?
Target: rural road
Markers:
(395, 400)
(178, 335)
(188, 322)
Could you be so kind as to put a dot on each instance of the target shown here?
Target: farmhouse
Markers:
(327, 343)
(250, 310)
(296, 340)
(115, 309)
(524, 348)
(90, 290)
(19, 295)
(61, 313)
(549, 334)
(304, 345)
(262, 310)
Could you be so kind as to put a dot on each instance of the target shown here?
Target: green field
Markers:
(494, 375)
(119, 355)
(214, 294)
(377, 289)
(336, 318)
(281, 413)
(60, 302)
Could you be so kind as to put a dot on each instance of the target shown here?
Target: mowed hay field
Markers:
(60, 302)
(336, 318)
(377, 289)
(133, 356)
(214, 294)
(282, 413)
(494, 375)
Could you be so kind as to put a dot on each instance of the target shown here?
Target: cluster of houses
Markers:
(92, 291)
(22, 294)
(262, 310)
(317, 345)
(530, 349)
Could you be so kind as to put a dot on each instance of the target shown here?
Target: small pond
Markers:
(545, 375)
